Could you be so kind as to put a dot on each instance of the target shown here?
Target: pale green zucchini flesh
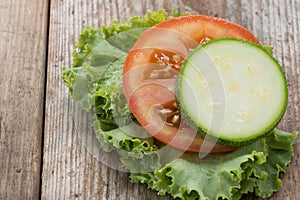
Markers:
(232, 90)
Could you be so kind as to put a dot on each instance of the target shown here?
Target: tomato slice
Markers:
(150, 73)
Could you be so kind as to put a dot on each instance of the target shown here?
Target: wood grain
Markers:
(71, 169)
(23, 36)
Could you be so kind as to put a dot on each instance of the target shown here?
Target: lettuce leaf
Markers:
(95, 75)
(254, 167)
(135, 154)
(136, 22)
(95, 81)
(77, 81)
(110, 103)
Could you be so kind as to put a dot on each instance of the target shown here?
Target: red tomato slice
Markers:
(150, 73)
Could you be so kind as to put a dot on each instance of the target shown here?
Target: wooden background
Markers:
(42, 154)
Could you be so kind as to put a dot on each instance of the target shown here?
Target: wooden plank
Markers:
(71, 167)
(70, 170)
(23, 36)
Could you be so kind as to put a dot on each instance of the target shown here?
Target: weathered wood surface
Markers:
(23, 38)
(70, 167)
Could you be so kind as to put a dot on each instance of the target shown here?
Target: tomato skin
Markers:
(190, 31)
(211, 27)
(177, 36)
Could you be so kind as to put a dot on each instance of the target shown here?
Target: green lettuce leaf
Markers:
(268, 49)
(150, 19)
(98, 58)
(89, 39)
(136, 155)
(77, 81)
(125, 40)
(111, 107)
(252, 168)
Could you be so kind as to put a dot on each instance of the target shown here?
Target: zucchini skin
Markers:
(222, 141)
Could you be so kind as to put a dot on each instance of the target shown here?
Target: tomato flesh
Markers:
(151, 70)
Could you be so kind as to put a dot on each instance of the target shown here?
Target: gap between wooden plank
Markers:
(44, 96)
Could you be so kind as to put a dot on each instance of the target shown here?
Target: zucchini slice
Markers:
(232, 90)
